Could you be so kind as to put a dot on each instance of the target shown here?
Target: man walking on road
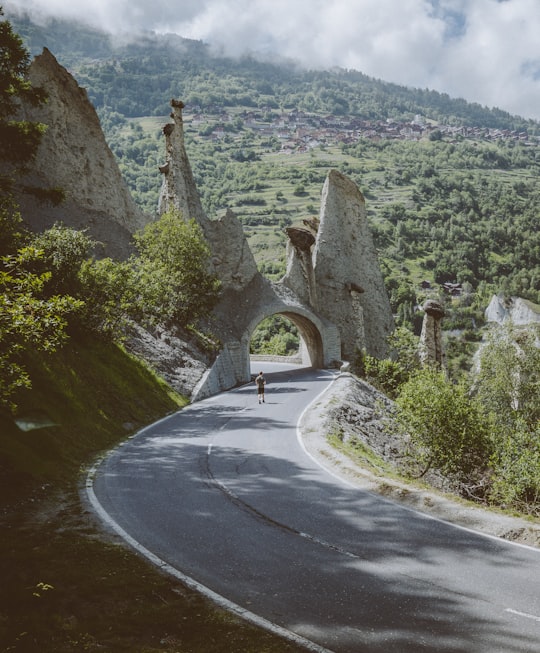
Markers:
(260, 381)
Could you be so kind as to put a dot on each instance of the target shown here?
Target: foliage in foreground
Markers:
(483, 432)
(508, 384)
(54, 287)
(448, 428)
(389, 374)
(29, 320)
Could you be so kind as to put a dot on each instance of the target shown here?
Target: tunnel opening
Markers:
(288, 335)
(276, 335)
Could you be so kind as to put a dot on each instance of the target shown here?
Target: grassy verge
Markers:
(66, 585)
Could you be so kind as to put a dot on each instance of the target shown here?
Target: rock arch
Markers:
(312, 334)
(321, 339)
(333, 289)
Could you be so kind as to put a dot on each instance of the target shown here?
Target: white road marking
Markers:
(253, 618)
(209, 449)
(523, 614)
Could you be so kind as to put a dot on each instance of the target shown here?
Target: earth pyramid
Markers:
(333, 289)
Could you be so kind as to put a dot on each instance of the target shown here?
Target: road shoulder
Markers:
(317, 422)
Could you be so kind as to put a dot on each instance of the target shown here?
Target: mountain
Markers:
(452, 188)
(170, 62)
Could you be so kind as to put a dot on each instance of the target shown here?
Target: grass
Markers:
(359, 453)
(67, 585)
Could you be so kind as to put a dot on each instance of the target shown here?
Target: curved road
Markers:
(223, 495)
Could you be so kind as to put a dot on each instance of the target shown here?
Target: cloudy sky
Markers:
(486, 51)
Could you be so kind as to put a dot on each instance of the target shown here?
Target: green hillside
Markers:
(85, 398)
(452, 188)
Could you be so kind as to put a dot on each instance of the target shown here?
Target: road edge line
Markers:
(348, 483)
(216, 598)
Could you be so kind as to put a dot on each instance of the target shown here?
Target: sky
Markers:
(485, 51)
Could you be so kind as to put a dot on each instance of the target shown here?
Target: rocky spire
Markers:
(178, 189)
(431, 348)
(349, 281)
(232, 258)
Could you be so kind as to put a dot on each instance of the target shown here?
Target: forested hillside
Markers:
(452, 188)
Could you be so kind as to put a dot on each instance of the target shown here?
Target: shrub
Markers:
(447, 428)
(516, 469)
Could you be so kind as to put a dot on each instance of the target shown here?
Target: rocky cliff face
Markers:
(75, 157)
(516, 310)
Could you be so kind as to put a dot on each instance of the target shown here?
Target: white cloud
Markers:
(485, 51)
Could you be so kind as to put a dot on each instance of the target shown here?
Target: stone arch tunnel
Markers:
(321, 344)
(333, 289)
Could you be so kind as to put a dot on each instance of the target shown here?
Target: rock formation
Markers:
(431, 348)
(74, 156)
(349, 281)
(340, 276)
(514, 309)
(333, 288)
(332, 291)
(231, 256)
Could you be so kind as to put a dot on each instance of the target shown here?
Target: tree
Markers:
(516, 465)
(447, 427)
(508, 380)
(28, 320)
(173, 272)
(64, 251)
(110, 297)
(508, 383)
(19, 139)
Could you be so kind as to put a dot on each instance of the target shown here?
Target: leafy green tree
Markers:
(27, 319)
(448, 429)
(12, 233)
(111, 298)
(64, 251)
(508, 380)
(32, 316)
(389, 374)
(508, 384)
(19, 139)
(516, 465)
(173, 272)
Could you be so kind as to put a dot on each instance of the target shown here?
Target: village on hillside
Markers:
(300, 131)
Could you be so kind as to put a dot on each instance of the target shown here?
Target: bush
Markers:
(387, 375)
(447, 428)
(516, 469)
(28, 319)
(110, 296)
(173, 272)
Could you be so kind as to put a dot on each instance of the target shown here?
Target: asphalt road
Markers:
(223, 495)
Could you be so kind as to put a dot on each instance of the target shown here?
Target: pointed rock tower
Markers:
(342, 280)
(231, 256)
(74, 156)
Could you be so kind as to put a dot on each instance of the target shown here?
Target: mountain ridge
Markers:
(75, 45)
